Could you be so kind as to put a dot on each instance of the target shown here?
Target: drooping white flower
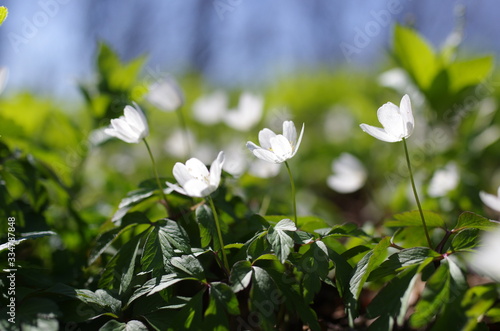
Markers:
(165, 94)
(131, 128)
(277, 148)
(211, 108)
(491, 200)
(248, 113)
(194, 178)
(397, 122)
(349, 174)
(484, 261)
(444, 180)
(4, 74)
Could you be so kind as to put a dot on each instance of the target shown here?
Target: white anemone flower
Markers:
(491, 200)
(4, 74)
(397, 122)
(444, 181)
(194, 178)
(165, 95)
(349, 174)
(277, 148)
(248, 113)
(484, 261)
(131, 128)
(211, 108)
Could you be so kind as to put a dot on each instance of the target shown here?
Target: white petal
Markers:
(407, 115)
(136, 120)
(392, 121)
(247, 114)
(296, 147)
(210, 109)
(264, 169)
(290, 132)
(197, 169)
(123, 131)
(281, 147)
(345, 184)
(216, 169)
(251, 146)
(265, 136)
(181, 173)
(176, 188)
(166, 95)
(490, 200)
(266, 155)
(379, 133)
(197, 188)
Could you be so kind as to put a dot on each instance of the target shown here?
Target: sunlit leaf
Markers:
(468, 220)
(241, 275)
(281, 241)
(412, 218)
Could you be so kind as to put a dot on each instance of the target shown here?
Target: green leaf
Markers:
(133, 325)
(469, 73)
(343, 272)
(415, 55)
(465, 240)
(344, 230)
(314, 264)
(281, 242)
(468, 220)
(176, 235)
(155, 285)
(190, 265)
(393, 299)
(477, 302)
(259, 245)
(26, 236)
(412, 218)
(241, 275)
(4, 12)
(120, 269)
(403, 259)
(206, 222)
(265, 298)
(222, 301)
(105, 240)
(367, 264)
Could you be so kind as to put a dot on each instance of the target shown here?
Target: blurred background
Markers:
(50, 45)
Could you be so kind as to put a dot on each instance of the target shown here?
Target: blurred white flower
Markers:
(4, 74)
(443, 181)
(236, 160)
(210, 109)
(176, 145)
(277, 148)
(248, 113)
(399, 80)
(131, 128)
(397, 122)
(485, 260)
(194, 178)
(349, 174)
(264, 169)
(165, 94)
(491, 200)
(338, 124)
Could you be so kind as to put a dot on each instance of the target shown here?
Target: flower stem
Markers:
(293, 193)
(165, 203)
(416, 195)
(219, 234)
(182, 122)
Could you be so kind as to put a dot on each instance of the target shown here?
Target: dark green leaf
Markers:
(206, 222)
(314, 264)
(265, 298)
(222, 302)
(465, 239)
(412, 218)
(468, 220)
(258, 246)
(190, 265)
(133, 325)
(176, 235)
(241, 275)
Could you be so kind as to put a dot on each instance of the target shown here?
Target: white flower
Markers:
(349, 174)
(237, 159)
(485, 261)
(4, 74)
(277, 148)
(397, 121)
(248, 113)
(194, 178)
(263, 169)
(444, 180)
(491, 200)
(131, 128)
(210, 109)
(165, 94)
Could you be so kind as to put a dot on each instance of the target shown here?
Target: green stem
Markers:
(182, 122)
(416, 195)
(219, 234)
(293, 193)
(165, 203)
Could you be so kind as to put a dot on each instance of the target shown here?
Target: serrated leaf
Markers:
(155, 284)
(415, 55)
(206, 222)
(367, 264)
(468, 220)
(403, 259)
(281, 242)
(241, 275)
(412, 218)
(190, 265)
(465, 240)
(176, 235)
(114, 325)
(314, 264)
